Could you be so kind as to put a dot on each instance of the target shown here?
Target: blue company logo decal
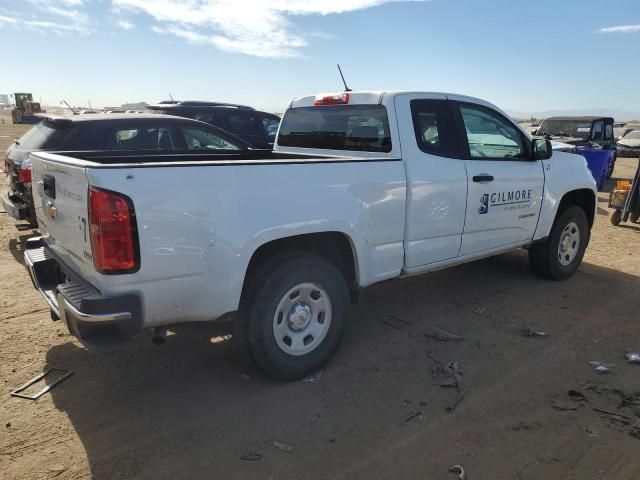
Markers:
(484, 204)
(512, 200)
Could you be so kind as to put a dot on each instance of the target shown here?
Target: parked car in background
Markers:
(619, 132)
(253, 126)
(581, 132)
(629, 145)
(136, 132)
(362, 187)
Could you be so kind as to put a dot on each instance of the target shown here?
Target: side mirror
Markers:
(541, 149)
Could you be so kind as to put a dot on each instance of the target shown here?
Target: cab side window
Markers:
(434, 127)
(598, 131)
(490, 136)
(608, 131)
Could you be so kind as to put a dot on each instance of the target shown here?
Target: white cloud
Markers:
(254, 27)
(58, 16)
(621, 29)
(125, 25)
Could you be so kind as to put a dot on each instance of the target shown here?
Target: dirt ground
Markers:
(195, 409)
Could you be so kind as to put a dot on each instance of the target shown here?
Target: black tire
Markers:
(544, 258)
(258, 314)
(616, 218)
(633, 218)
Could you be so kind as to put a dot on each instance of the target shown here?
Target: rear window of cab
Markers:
(337, 127)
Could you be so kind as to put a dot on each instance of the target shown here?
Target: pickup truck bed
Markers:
(198, 222)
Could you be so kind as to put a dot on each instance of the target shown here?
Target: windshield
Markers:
(565, 128)
(340, 127)
(634, 135)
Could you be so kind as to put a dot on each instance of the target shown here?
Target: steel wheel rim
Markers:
(302, 319)
(569, 244)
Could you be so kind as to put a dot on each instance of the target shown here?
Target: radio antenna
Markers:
(346, 89)
(70, 107)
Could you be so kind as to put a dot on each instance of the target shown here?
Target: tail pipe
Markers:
(159, 335)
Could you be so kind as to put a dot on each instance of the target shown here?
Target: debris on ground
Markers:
(455, 373)
(577, 396)
(601, 367)
(527, 332)
(521, 426)
(564, 406)
(57, 470)
(595, 387)
(441, 336)
(394, 321)
(459, 470)
(414, 415)
(313, 378)
(64, 374)
(480, 311)
(633, 357)
(282, 446)
(615, 414)
(252, 455)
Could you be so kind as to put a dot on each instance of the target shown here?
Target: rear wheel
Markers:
(561, 255)
(293, 319)
(633, 217)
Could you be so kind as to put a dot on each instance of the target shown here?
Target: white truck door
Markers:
(505, 186)
(436, 178)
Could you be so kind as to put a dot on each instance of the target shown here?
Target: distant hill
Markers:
(605, 112)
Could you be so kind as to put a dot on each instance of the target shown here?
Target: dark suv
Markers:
(586, 132)
(114, 132)
(255, 127)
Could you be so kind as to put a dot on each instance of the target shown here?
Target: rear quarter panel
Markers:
(198, 226)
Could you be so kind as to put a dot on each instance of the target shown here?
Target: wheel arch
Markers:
(336, 247)
(584, 198)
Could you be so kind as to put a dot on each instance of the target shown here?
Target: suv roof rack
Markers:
(198, 103)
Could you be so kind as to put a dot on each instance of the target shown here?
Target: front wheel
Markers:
(561, 255)
(294, 317)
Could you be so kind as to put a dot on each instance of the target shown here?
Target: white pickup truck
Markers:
(361, 188)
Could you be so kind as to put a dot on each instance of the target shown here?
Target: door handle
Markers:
(483, 178)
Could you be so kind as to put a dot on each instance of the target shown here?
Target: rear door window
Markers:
(340, 127)
(141, 138)
(434, 127)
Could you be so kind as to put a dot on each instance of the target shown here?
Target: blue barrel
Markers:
(598, 162)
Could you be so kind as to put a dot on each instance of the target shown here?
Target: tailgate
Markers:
(60, 199)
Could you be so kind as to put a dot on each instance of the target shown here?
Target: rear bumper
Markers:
(14, 206)
(101, 323)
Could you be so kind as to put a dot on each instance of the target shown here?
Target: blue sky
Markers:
(525, 56)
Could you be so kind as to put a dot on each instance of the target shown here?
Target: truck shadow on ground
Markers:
(193, 407)
(17, 245)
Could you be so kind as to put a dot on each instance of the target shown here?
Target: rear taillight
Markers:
(24, 174)
(114, 237)
(337, 99)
